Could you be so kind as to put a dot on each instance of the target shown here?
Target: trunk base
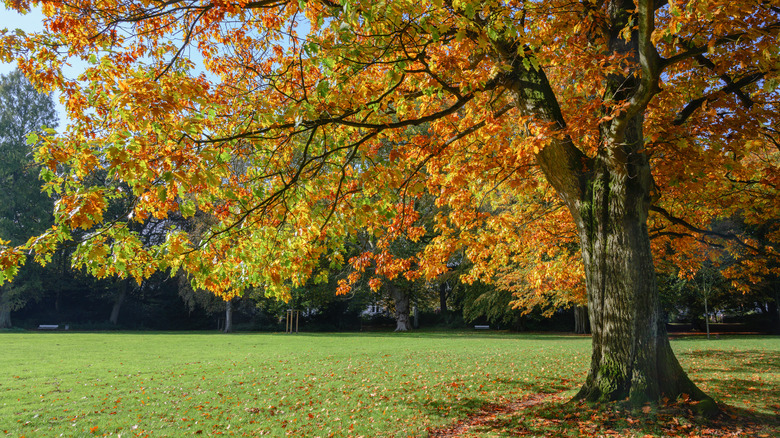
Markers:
(662, 378)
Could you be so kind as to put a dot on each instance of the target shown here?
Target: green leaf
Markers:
(330, 63)
(188, 208)
(470, 10)
(32, 138)
(162, 193)
(322, 88)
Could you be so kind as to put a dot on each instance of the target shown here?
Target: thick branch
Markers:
(725, 236)
(733, 87)
(743, 97)
(693, 51)
(650, 63)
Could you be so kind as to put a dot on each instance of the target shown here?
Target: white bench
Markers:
(48, 327)
(481, 327)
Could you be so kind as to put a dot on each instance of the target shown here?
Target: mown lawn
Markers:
(366, 384)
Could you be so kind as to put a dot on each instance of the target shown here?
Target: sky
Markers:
(30, 22)
(9, 19)
(33, 22)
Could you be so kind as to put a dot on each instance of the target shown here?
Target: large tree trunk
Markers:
(401, 300)
(632, 357)
(609, 196)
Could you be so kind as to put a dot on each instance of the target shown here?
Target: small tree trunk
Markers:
(401, 300)
(228, 317)
(5, 312)
(63, 274)
(581, 320)
(443, 297)
(774, 312)
(120, 298)
(706, 316)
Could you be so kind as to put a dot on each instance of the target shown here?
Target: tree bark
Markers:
(228, 317)
(581, 325)
(401, 300)
(609, 195)
(631, 357)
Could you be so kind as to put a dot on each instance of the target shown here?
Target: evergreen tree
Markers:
(24, 209)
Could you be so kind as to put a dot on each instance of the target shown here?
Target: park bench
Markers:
(481, 327)
(48, 327)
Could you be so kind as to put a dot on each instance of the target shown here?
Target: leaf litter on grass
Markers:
(556, 415)
(350, 386)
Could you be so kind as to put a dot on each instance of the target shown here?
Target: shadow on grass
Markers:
(762, 395)
(552, 417)
(465, 407)
(732, 366)
(578, 419)
(742, 361)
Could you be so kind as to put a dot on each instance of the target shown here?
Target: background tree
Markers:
(24, 210)
(623, 111)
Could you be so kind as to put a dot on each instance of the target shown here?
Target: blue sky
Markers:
(30, 22)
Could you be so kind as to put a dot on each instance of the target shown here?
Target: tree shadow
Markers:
(465, 407)
(553, 417)
(749, 361)
(574, 418)
(731, 368)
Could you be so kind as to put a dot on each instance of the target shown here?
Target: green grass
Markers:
(373, 385)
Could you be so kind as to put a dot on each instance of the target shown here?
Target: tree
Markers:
(24, 210)
(614, 113)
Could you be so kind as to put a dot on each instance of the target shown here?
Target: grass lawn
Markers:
(354, 384)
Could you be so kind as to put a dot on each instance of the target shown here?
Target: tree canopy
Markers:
(550, 134)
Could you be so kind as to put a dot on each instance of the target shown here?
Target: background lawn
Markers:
(358, 384)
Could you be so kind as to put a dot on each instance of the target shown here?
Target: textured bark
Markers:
(609, 196)
(401, 300)
(631, 356)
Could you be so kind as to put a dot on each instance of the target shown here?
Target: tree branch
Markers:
(699, 50)
(733, 87)
(725, 236)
